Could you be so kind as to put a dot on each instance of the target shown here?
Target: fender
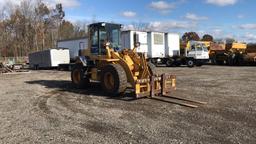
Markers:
(82, 60)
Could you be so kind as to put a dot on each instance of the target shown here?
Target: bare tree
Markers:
(33, 26)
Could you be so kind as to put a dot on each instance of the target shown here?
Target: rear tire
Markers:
(78, 77)
(113, 79)
(170, 63)
(154, 61)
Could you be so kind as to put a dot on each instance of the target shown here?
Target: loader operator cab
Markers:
(101, 34)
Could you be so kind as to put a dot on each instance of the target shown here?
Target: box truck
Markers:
(129, 38)
(49, 58)
(170, 54)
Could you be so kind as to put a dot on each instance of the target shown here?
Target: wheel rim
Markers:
(190, 63)
(169, 63)
(76, 76)
(109, 81)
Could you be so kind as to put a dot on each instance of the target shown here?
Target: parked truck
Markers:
(194, 52)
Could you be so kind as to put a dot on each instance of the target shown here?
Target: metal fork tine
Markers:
(185, 99)
(174, 102)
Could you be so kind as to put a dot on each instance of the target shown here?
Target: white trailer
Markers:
(172, 45)
(156, 46)
(130, 38)
(74, 46)
(49, 58)
(163, 47)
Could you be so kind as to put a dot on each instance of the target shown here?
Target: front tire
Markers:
(190, 63)
(113, 79)
(154, 61)
(78, 77)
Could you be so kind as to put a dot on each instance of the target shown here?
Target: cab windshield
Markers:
(201, 47)
(103, 33)
(114, 38)
(114, 35)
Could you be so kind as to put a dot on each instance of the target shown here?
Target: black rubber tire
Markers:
(154, 61)
(83, 82)
(152, 68)
(170, 63)
(119, 76)
(190, 63)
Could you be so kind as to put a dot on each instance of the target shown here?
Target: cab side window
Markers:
(103, 39)
(95, 42)
(193, 48)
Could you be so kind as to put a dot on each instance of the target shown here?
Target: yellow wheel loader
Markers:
(118, 70)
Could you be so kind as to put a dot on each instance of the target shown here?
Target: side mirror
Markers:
(137, 44)
(108, 44)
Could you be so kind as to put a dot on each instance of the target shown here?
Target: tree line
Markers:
(33, 26)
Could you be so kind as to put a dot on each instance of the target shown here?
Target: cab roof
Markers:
(104, 23)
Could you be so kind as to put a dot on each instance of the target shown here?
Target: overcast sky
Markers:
(221, 18)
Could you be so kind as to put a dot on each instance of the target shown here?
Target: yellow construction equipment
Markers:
(118, 70)
(229, 53)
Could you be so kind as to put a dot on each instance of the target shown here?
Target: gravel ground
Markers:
(44, 107)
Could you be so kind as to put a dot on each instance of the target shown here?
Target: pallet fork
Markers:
(160, 89)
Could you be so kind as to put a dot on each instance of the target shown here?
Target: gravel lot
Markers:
(44, 107)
